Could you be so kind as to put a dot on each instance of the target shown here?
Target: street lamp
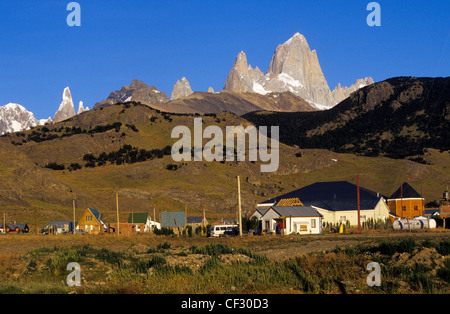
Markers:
(357, 187)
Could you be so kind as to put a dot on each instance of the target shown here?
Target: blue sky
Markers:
(159, 42)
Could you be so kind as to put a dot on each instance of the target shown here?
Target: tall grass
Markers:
(338, 271)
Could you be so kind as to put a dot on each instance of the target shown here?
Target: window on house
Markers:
(416, 208)
(404, 208)
(363, 218)
(313, 223)
(267, 224)
(343, 218)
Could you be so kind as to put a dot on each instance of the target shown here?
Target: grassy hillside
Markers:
(31, 192)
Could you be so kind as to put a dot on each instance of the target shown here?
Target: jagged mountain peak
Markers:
(81, 108)
(341, 92)
(181, 89)
(294, 68)
(66, 109)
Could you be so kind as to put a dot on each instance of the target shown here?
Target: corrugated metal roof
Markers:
(296, 211)
(58, 224)
(173, 219)
(140, 218)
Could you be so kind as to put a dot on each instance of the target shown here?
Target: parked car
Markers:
(219, 230)
(231, 232)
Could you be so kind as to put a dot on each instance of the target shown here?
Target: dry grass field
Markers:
(412, 262)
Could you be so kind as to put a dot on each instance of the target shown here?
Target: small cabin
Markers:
(15, 228)
(92, 222)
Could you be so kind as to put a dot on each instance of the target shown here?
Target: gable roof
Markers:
(260, 211)
(139, 218)
(296, 211)
(96, 214)
(58, 224)
(405, 191)
(20, 226)
(332, 196)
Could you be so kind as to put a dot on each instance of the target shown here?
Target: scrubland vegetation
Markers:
(408, 265)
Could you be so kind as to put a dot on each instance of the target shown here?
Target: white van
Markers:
(219, 230)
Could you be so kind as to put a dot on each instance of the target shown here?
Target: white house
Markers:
(258, 213)
(292, 220)
(143, 222)
(337, 202)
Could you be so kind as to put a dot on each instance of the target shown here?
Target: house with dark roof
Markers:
(92, 222)
(406, 202)
(15, 228)
(292, 220)
(195, 222)
(337, 202)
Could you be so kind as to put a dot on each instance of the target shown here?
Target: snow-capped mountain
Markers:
(15, 118)
(81, 108)
(66, 109)
(295, 68)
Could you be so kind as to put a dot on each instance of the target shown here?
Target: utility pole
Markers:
(240, 209)
(73, 204)
(203, 219)
(117, 205)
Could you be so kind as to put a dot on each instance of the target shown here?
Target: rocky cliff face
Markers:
(66, 109)
(136, 91)
(181, 89)
(340, 93)
(243, 78)
(294, 68)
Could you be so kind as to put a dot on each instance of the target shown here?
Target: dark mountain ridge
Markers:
(397, 118)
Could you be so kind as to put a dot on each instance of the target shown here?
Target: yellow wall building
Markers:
(406, 202)
(91, 222)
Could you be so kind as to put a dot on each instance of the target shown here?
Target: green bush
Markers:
(444, 271)
(163, 246)
(444, 248)
(406, 246)
(164, 231)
